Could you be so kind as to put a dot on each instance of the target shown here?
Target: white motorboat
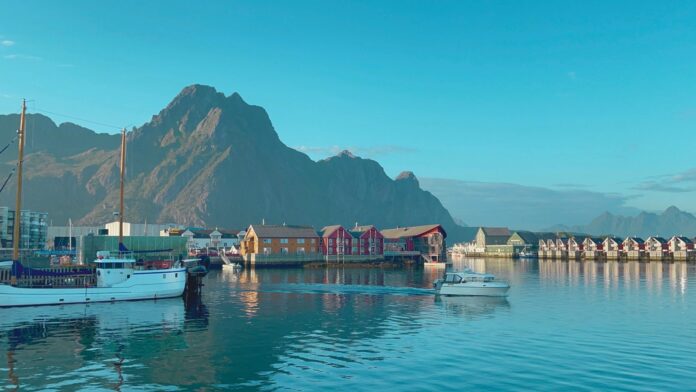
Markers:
(117, 279)
(469, 283)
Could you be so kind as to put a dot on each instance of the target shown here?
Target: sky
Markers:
(568, 97)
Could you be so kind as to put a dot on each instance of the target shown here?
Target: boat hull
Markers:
(142, 285)
(489, 289)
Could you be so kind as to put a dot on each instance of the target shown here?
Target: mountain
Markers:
(208, 160)
(671, 222)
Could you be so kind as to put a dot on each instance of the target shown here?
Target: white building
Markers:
(137, 229)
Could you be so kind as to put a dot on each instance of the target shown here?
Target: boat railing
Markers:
(65, 277)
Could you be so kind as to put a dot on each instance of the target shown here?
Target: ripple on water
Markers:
(578, 326)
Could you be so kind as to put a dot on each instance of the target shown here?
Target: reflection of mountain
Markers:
(73, 338)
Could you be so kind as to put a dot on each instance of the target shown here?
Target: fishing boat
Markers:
(114, 276)
(469, 283)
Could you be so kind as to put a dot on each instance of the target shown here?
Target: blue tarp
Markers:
(18, 270)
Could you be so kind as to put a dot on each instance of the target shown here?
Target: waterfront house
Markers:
(592, 248)
(494, 240)
(280, 244)
(576, 247)
(656, 248)
(634, 248)
(562, 247)
(202, 239)
(336, 241)
(367, 241)
(427, 241)
(544, 250)
(551, 248)
(681, 248)
(523, 241)
(612, 247)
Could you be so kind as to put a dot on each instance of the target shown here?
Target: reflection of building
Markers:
(33, 228)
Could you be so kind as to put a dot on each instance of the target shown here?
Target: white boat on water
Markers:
(117, 279)
(469, 283)
(113, 278)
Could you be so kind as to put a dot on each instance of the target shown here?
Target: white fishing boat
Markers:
(115, 276)
(469, 283)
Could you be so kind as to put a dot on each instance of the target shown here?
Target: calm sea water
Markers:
(565, 326)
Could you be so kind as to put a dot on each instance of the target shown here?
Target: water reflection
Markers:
(97, 339)
(654, 277)
(323, 327)
(472, 308)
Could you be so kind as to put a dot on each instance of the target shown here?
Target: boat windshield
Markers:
(115, 264)
(452, 278)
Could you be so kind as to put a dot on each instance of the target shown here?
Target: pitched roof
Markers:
(658, 239)
(414, 231)
(283, 231)
(637, 240)
(496, 231)
(361, 229)
(686, 240)
(527, 236)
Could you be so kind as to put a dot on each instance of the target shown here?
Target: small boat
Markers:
(232, 266)
(527, 254)
(470, 283)
(195, 267)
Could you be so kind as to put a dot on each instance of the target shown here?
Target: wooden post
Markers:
(18, 200)
(122, 172)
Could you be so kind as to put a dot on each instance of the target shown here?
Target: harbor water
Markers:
(564, 326)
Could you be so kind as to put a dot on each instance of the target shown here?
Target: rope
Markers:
(8, 144)
(7, 179)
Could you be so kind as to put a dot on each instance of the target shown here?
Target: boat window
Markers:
(452, 278)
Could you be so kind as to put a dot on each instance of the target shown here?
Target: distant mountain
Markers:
(209, 160)
(671, 222)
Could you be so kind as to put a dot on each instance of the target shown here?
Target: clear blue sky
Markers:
(593, 94)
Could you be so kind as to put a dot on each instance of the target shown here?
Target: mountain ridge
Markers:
(672, 221)
(214, 160)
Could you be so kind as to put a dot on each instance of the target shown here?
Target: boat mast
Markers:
(18, 200)
(122, 171)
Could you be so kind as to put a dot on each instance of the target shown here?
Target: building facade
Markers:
(336, 241)
(427, 241)
(273, 244)
(33, 229)
(367, 241)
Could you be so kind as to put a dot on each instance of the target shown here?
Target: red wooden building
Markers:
(336, 240)
(367, 240)
(427, 240)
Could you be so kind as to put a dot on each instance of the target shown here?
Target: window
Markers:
(330, 251)
(313, 241)
(330, 241)
(300, 251)
(283, 240)
(266, 240)
(284, 251)
(267, 251)
(300, 240)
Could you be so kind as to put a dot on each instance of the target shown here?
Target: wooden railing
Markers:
(37, 281)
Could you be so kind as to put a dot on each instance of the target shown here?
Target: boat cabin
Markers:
(463, 277)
